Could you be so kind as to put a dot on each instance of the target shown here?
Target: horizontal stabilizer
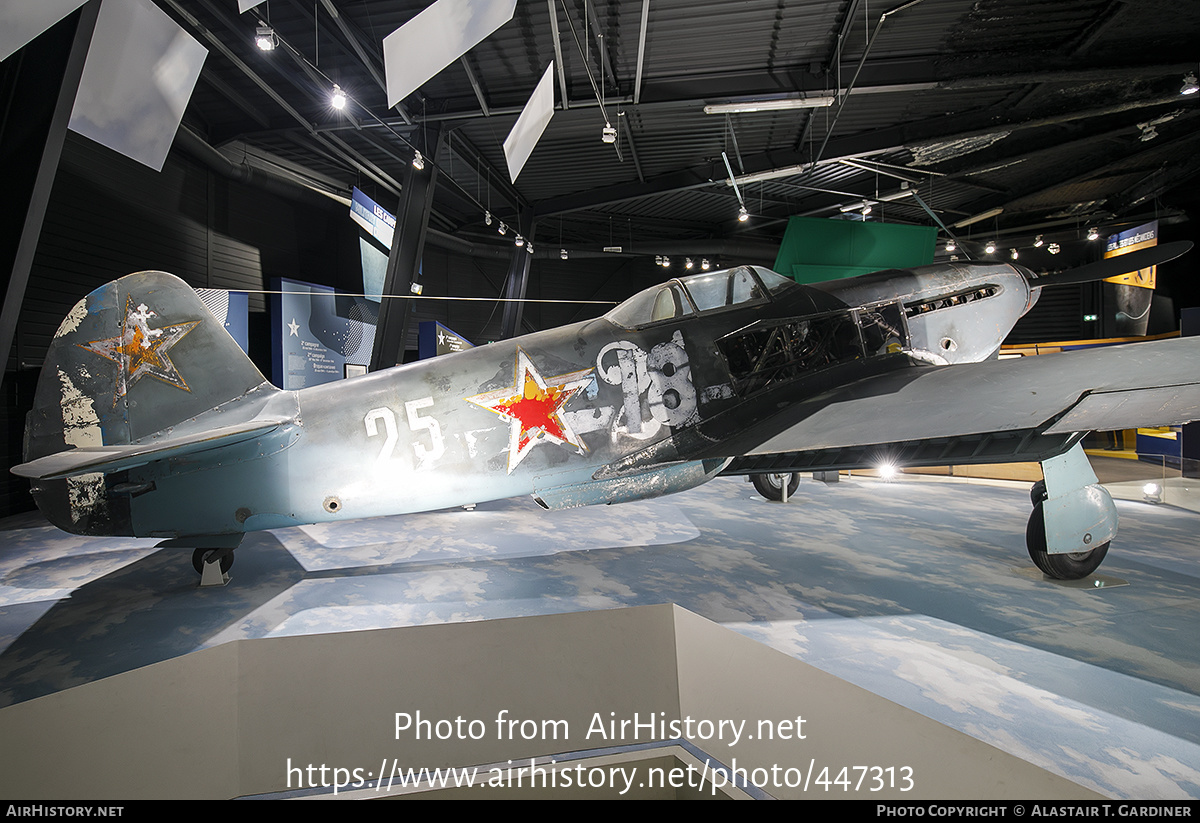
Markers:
(108, 459)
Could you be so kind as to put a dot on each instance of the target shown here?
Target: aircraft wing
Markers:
(1026, 408)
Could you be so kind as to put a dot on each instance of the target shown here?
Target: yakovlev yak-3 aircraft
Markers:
(150, 421)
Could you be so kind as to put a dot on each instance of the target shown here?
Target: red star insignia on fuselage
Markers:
(532, 406)
(140, 350)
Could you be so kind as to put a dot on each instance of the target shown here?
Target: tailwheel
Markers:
(1072, 566)
(771, 486)
(202, 556)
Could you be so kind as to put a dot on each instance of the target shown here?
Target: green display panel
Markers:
(816, 249)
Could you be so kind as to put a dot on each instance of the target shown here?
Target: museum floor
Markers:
(919, 590)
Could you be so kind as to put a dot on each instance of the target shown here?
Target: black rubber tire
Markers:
(198, 560)
(770, 486)
(1074, 566)
(1037, 492)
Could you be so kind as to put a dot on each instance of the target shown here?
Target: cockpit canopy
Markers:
(697, 294)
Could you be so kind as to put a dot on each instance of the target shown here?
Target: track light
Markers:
(608, 134)
(743, 215)
(520, 241)
(265, 39)
(1190, 86)
(990, 248)
(562, 253)
(782, 104)
(1037, 242)
(338, 99)
(1093, 233)
(418, 160)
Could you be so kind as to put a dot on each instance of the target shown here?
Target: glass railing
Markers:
(1151, 478)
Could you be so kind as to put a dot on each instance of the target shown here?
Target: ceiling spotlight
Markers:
(687, 263)
(503, 228)
(1053, 248)
(418, 161)
(950, 246)
(1093, 233)
(990, 248)
(520, 241)
(487, 218)
(1038, 242)
(264, 38)
(743, 215)
(608, 134)
(1190, 86)
(338, 100)
(1012, 253)
(704, 264)
(562, 253)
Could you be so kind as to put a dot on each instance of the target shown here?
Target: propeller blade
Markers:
(1114, 266)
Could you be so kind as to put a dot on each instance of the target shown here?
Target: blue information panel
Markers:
(232, 309)
(433, 339)
(318, 335)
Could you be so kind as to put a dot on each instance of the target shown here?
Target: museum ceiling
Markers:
(1010, 118)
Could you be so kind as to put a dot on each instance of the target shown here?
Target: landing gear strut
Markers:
(1073, 519)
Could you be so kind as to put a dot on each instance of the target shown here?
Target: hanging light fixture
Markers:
(704, 264)
(990, 248)
(1053, 248)
(338, 98)
(1190, 85)
(1038, 242)
(503, 228)
(487, 218)
(950, 246)
(265, 38)
(418, 160)
(1012, 253)
(608, 134)
(520, 241)
(1093, 233)
(529, 247)
(562, 253)
(687, 263)
(666, 262)
(743, 215)
(658, 259)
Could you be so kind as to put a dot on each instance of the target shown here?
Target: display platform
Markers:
(919, 591)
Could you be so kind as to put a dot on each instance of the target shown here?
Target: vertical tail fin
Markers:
(134, 357)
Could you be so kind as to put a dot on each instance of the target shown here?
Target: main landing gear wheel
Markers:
(1074, 566)
(771, 486)
(200, 556)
